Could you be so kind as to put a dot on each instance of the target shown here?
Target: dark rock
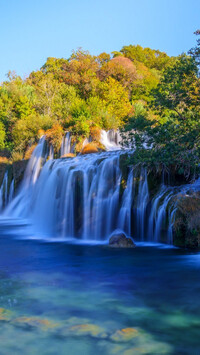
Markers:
(119, 240)
(186, 226)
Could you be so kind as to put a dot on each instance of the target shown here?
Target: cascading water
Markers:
(4, 191)
(111, 140)
(142, 201)
(19, 205)
(85, 198)
(66, 145)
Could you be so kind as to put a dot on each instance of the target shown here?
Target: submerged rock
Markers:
(5, 314)
(125, 334)
(34, 322)
(87, 329)
(119, 240)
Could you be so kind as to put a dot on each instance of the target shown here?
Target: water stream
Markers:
(84, 198)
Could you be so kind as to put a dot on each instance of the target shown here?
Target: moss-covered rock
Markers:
(34, 322)
(5, 314)
(119, 240)
(187, 221)
(124, 335)
(89, 329)
(19, 168)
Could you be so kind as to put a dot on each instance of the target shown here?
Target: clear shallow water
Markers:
(57, 298)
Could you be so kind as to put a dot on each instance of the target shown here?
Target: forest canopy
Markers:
(154, 99)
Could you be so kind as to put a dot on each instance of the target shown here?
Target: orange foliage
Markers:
(95, 133)
(120, 68)
(68, 155)
(90, 148)
(29, 151)
(3, 160)
(54, 136)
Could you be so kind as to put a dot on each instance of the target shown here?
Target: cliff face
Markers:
(186, 229)
(13, 172)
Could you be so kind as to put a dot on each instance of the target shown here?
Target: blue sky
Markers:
(32, 30)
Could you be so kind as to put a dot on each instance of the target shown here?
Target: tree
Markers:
(116, 100)
(169, 136)
(179, 89)
(195, 52)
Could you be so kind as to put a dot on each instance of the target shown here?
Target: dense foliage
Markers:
(166, 133)
(153, 98)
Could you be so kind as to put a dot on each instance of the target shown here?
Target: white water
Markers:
(111, 140)
(66, 145)
(4, 191)
(83, 198)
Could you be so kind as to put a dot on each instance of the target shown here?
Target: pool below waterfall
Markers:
(58, 298)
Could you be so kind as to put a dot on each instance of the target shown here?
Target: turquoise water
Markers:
(57, 298)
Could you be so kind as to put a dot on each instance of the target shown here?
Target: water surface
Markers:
(58, 298)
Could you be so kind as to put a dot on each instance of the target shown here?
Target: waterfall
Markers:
(125, 214)
(12, 190)
(73, 198)
(66, 145)
(51, 152)
(19, 205)
(111, 140)
(4, 191)
(87, 198)
(142, 201)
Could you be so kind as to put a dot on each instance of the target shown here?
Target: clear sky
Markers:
(32, 30)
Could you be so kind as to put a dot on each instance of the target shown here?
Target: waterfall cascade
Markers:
(6, 191)
(66, 145)
(111, 140)
(85, 197)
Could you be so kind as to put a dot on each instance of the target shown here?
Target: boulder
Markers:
(119, 240)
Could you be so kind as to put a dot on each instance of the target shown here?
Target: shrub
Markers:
(54, 136)
(16, 156)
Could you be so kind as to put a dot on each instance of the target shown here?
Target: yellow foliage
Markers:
(95, 133)
(54, 136)
(90, 148)
(4, 160)
(16, 156)
(29, 151)
(68, 155)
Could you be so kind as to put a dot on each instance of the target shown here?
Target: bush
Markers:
(95, 133)
(16, 156)
(54, 136)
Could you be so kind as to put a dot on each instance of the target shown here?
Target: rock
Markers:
(124, 335)
(34, 322)
(5, 314)
(186, 226)
(119, 240)
(87, 329)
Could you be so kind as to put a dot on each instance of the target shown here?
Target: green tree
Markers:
(195, 52)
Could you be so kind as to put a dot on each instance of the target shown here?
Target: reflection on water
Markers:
(57, 298)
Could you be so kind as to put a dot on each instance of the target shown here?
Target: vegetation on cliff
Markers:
(79, 94)
(166, 133)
